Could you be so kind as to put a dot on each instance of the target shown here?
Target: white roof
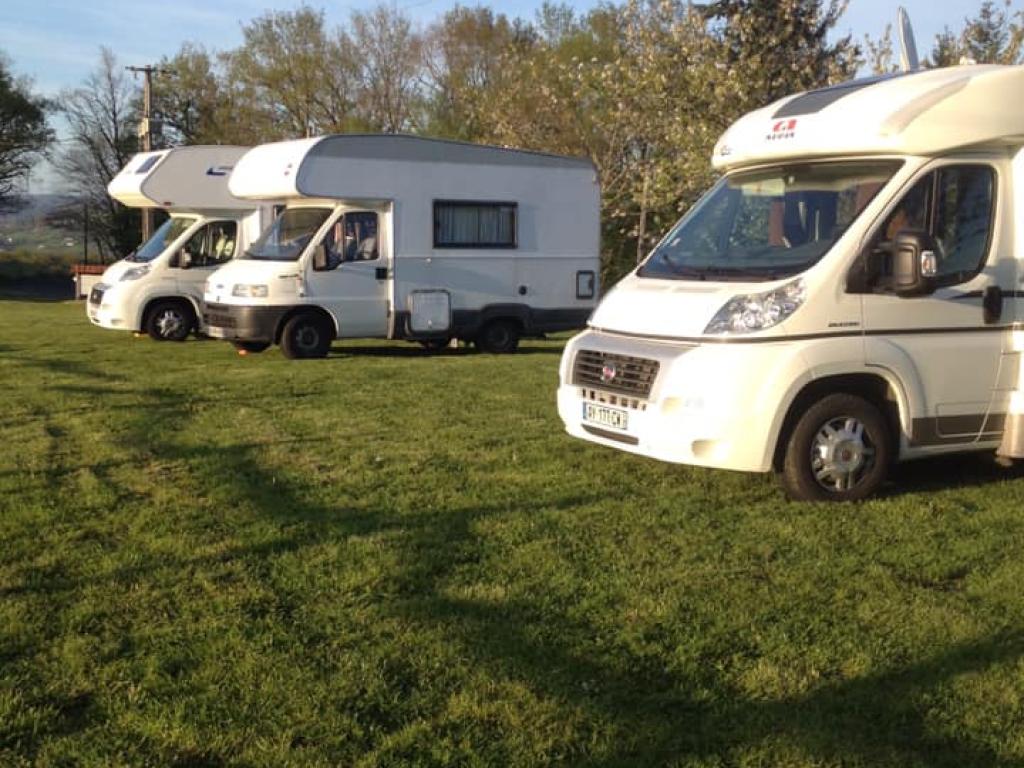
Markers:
(927, 112)
(338, 166)
(183, 178)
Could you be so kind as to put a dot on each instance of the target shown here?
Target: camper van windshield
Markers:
(767, 224)
(286, 238)
(166, 234)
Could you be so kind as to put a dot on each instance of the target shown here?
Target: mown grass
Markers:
(387, 558)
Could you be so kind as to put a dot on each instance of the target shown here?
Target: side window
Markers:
(465, 224)
(213, 245)
(353, 237)
(963, 220)
(955, 205)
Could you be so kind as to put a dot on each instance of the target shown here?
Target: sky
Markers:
(56, 42)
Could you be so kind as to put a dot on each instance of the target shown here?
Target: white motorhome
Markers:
(845, 296)
(159, 287)
(402, 237)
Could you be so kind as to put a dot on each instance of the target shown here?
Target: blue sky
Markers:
(56, 42)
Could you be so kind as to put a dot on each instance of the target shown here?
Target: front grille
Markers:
(632, 375)
(219, 316)
(96, 295)
(219, 320)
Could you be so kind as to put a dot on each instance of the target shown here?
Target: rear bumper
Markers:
(243, 323)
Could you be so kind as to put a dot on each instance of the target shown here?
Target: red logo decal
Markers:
(782, 129)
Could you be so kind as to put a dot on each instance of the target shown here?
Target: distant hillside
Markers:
(31, 210)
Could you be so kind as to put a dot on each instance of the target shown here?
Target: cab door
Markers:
(210, 247)
(349, 275)
(952, 345)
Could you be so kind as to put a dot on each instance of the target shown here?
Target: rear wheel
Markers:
(498, 337)
(306, 335)
(839, 450)
(170, 320)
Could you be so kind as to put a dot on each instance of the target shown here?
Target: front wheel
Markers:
(839, 450)
(170, 320)
(306, 335)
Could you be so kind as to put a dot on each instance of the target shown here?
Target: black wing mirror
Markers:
(914, 264)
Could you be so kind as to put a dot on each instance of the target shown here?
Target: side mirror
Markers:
(182, 259)
(320, 257)
(915, 264)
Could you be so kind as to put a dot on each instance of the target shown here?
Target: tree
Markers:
(102, 116)
(190, 95)
(289, 78)
(24, 134)
(389, 57)
(465, 61)
(994, 36)
(880, 57)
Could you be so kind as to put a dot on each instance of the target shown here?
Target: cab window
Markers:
(955, 205)
(353, 237)
(213, 244)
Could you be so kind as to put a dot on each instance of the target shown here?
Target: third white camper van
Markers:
(159, 287)
(402, 237)
(847, 295)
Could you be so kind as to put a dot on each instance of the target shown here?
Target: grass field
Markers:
(387, 558)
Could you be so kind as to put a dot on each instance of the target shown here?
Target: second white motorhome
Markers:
(159, 287)
(403, 237)
(844, 297)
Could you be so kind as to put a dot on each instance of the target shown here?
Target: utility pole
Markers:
(146, 129)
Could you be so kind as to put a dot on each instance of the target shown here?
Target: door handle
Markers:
(381, 273)
(992, 304)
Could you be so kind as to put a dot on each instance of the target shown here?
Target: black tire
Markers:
(840, 449)
(306, 335)
(498, 337)
(435, 345)
(253, 347)
(170, 320)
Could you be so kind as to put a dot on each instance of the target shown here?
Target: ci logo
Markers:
(782, 129)
(608, 373)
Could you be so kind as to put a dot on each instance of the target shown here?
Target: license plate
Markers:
(216, 333)
(605, 416)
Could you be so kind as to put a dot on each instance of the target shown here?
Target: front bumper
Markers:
(240, 322)
(710, 405)
(105, 309)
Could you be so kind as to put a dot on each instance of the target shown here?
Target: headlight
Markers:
(135, 273)
(249, 291)
(757, 311)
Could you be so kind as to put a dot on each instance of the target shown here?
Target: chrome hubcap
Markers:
(169, 322)
(841, 454)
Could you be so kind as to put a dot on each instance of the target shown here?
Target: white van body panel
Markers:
(947, 374)
(401, 179)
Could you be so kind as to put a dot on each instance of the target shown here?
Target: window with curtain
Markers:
(459, 224)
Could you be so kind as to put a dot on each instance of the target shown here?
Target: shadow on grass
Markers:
(942, 473)
(658, 716)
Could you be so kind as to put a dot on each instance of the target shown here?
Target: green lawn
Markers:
(388, 558)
